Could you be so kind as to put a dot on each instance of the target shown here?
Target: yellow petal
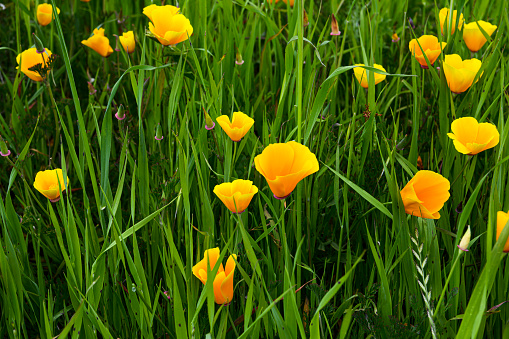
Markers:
(502, 219)
(488, 134)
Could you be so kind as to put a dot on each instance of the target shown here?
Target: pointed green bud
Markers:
(159, 133)
(209, 124)
(38, 44)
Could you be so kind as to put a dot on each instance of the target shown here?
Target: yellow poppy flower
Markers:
(223, 281)
(99, 43)
(127, 41)
(362, 77)
(473, 36)
(30, 58)
(236, 195)
(425, 194)
(45, 14)
(285, 164)
(471, 137)
(444, 20)
(238, 127)
(167, 24)
(459, 73)
(431, 47)
(46, 182)
(502, 219)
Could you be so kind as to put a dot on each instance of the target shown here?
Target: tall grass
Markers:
(339, 258)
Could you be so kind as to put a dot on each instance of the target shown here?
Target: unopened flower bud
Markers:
(238, 58)
(209, 124)
(334, 26)
(120, 115)
(305, 19)
(159, 133)
(4, 151)
(465, 240)
(38, 44)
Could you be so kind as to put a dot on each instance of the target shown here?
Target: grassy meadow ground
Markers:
(338, 258)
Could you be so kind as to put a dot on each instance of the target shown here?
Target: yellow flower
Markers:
(459, 73)
(238, 127)
(502, 219)
(431, 47)
(444, 20)
(167, 24)
(285, 164)
(473, 36)
(223, 281)
(471, 137)
(425, 194)
(30, 58)
(46, 182)
(45, 14)
(99, 43)
(127, 41)
(236, 195)
(362, 77)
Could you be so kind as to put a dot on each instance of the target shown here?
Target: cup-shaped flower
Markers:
(223, 281)
(236, 195)
(167, 24)
(460, 74)
(238, 127)
(425, 194)
(46, 182)
(362, 76)
(473, 36)
(444, 20)
(45, 14)
(127, 41)
(99, 43)
(30, 58)
(285, 164)
(502, 219)
(429, 46)
(470, 137)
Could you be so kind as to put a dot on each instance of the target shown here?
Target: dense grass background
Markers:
(338, 259)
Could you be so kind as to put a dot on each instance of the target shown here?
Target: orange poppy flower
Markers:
(167, 24)
(460, 74)
(30, 58)
(431, 47)
(223, 281)
(473, 36)
(99, 43)
(285, 164)
(470, 137)
(47, 183)
(238, 127)
(502, 219)
(127, 41)
(444, 20)
(45, 14)
(425, 194)
(236, 195)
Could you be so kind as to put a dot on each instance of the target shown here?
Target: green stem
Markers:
(447, 282)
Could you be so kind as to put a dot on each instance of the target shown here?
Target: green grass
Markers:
(339, 258)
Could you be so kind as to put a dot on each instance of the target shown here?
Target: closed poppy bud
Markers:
(425, 194)
(120, 115)
(38, 44)
(465, 240)
(238, 127)
(159, 133)
(285, 164)
(236, 195)
(473, 36)
(4, 151)
(429, 46)
(444, 20)
(167, 24)
(395, 37)
(460, 74)
(362, 77)
(29, 58)
(502, 219)
(305, 19)
(470, 137)
(238, 59)
(223, 281)
(99, 43)
(45, 14)
(127, 41)
(334, 26)
(47, 183)
(209, 124)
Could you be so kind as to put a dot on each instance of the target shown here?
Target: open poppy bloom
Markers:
(362, 77)
(470, 137)
(167, 24)
(223, 281)
(444, 20)
(473, 36)
(285, 164)
(29, 58)
(99, 43)
(460, 74)
(238, 127)
(127, 41)
(46, 182)
(236, 195)
(430, 47)
(502, 219)
(425, 194)
(45, 14)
